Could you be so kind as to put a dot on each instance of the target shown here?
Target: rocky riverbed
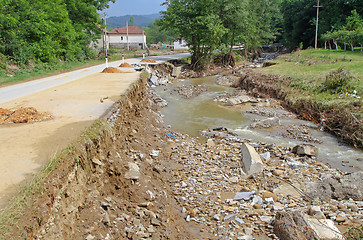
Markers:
(135, 178)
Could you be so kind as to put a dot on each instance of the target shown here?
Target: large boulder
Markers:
(252, 163)
(305, 149)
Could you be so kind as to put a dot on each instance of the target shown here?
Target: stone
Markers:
(266, 156)
(340, 219)
(210, 143)
(353, 207)
(233, 179)
(134, 171)
(316, 212)
(266, 219)
(90, 237)
(324, 228)
(252, 163)
(97, 162)
(244, 196)
(266, 123)
(176, 72)
(257, 206)
(232, 101)
(229, 217)
(305, 149)
(246, 237)
(267, 194)
(277, 172)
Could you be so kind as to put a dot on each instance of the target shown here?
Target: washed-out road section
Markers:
(74, 101)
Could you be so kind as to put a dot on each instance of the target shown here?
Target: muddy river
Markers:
(192, 115)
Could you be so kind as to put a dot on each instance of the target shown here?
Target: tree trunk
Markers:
(361, 47)
(345, 46)
(351, 45)
(329, 45)
(336, 45)
(325, 45)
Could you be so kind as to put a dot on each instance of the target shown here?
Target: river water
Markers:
(190, 116)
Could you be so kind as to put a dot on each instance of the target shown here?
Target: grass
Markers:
(44, 70)
(308, 70)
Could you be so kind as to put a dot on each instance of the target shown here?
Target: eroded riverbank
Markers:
(133, 178)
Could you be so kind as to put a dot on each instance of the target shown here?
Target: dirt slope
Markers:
(90, 194)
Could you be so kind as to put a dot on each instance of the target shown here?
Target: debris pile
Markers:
(111, 70)
(148, 61)
(125, 65)
(22, 115)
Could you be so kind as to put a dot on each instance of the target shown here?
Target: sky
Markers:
(134, 7)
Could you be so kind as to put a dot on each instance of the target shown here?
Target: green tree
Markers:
(198, 22)
(157, 35)
(132, 21)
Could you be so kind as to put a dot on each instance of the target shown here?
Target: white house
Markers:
(131, 36)
(180, 44)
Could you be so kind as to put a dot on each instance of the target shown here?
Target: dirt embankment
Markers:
(337, 120)
(110, 185)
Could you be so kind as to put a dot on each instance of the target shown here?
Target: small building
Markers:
(131, 36)
(180, 44)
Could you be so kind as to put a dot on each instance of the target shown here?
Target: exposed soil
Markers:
(148, 61)
(125, 65)
(111, 70)
(22, 115)
(95, 193)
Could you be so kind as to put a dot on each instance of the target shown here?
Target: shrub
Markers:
(337, 81)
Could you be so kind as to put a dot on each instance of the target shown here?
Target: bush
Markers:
(337, 81)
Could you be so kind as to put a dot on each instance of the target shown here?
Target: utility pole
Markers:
(317, 24)
(127, 35)
(105, 40)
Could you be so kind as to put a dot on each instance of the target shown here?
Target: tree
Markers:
(198, 22)
(156, 35)
(132, 21)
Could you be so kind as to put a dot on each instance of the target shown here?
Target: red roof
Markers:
(123, 30)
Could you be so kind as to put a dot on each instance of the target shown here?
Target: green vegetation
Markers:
(41, 35)
(212, 27)
(354, 233)
(299, 18)
(326, 83)
(309, 69)
(157, 35)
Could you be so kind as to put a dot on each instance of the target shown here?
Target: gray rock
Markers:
(176, 72)
(252, 163)
(305, 149)
(244, 196)
(134, 171)
(266, 123)
(238, 100)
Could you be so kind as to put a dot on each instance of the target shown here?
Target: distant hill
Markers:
(140, 20)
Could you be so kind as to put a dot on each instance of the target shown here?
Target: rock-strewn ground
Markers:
(136, 179)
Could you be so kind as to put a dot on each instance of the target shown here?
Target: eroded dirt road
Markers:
(74, 105)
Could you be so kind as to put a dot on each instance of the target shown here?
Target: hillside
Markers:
(140, 20)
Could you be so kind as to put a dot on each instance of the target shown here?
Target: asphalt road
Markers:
(22, 89)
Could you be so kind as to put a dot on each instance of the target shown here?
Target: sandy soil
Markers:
(26, 147)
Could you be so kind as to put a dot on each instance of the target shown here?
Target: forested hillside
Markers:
(40, 31)
(140, 20)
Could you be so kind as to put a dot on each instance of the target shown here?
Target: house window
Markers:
(122, 38)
